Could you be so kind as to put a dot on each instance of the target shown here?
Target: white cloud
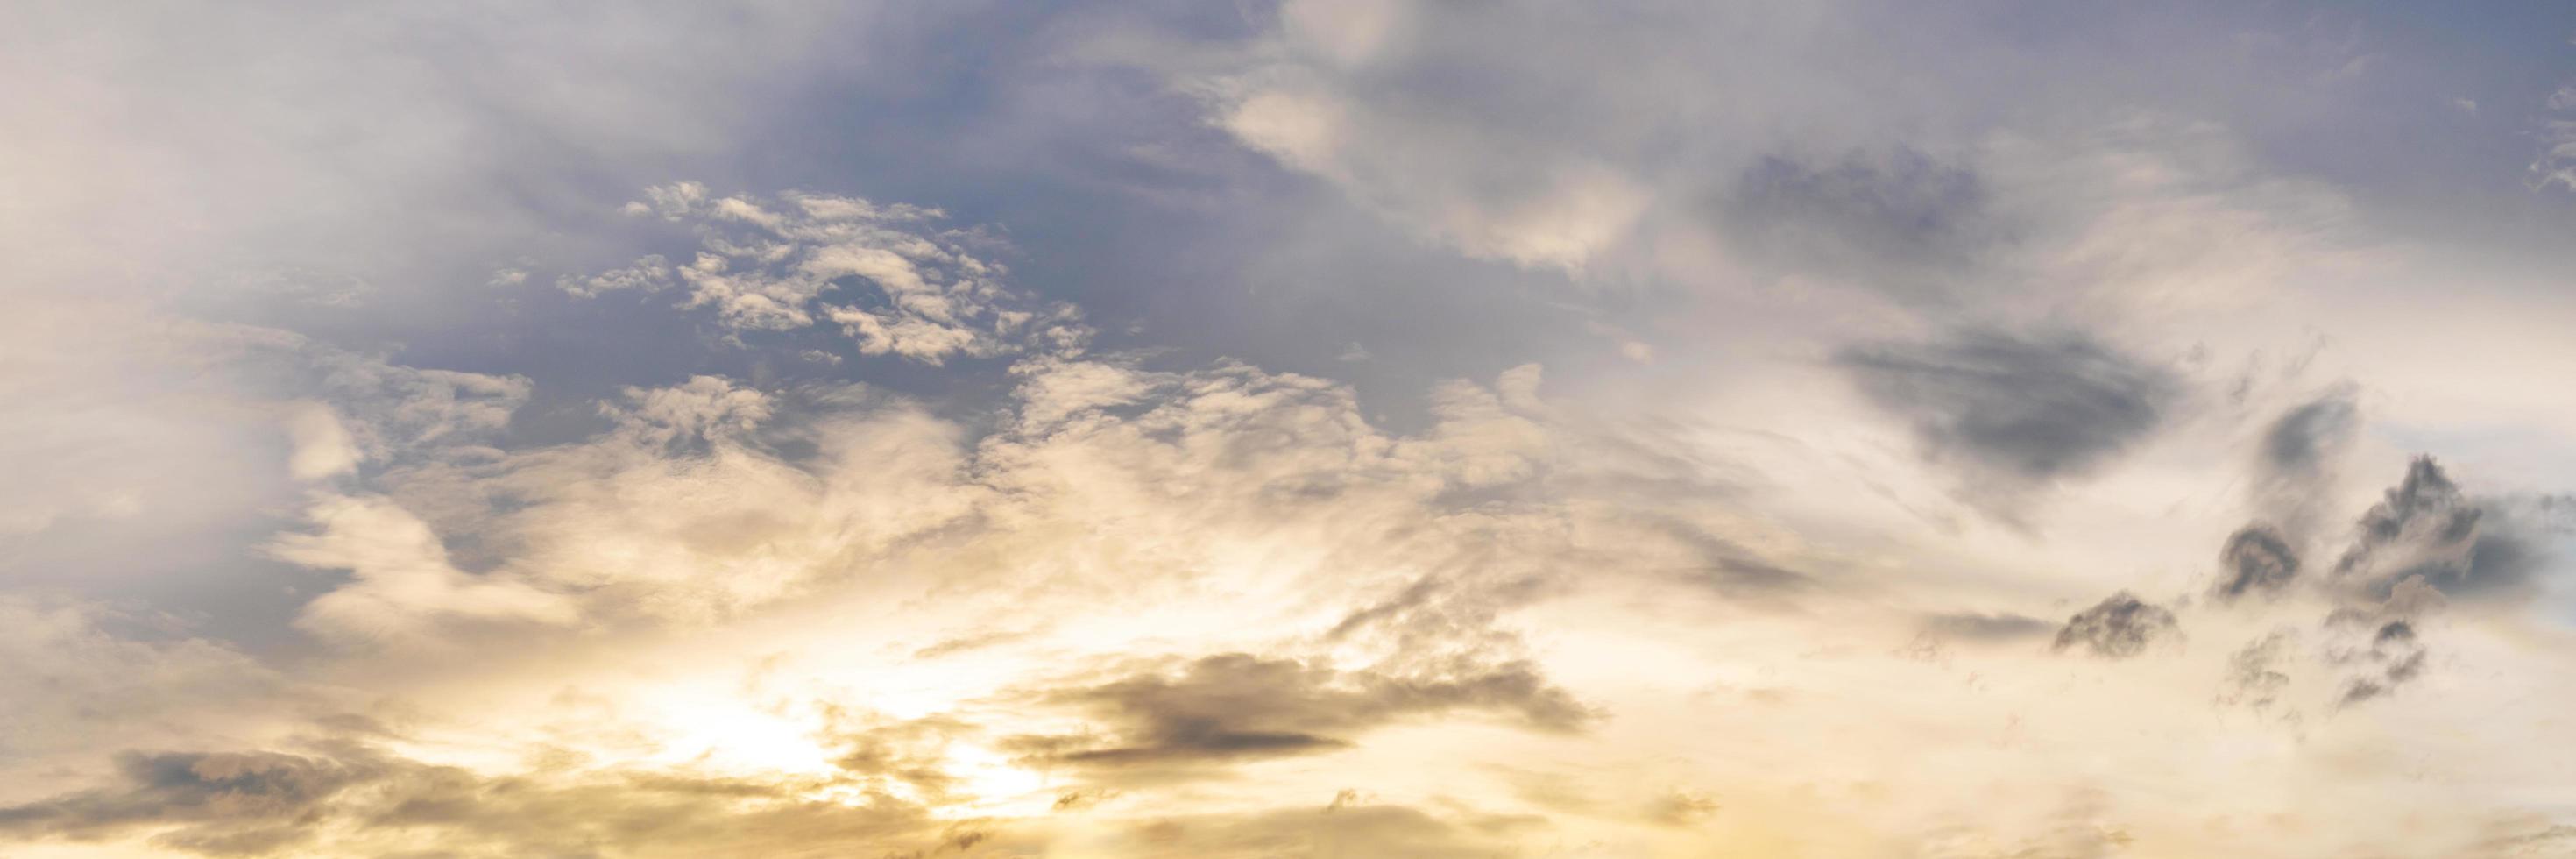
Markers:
(2556, 164)
(323, 447)
(880, 274)
(403, 592)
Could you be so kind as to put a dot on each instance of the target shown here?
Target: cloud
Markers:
(343, 799)
(880, 274)
(404, 591)
(2391, 657)
(91, 673)
(1235, 706)
(2253, 677)
(2000, 627)
(2255, 559)
(2296, 466)
(2426, 527)
(2537, 840)
(131, 416)
(339, 794)
(909, 757)
(322, 445)
(244, 121)
(1554, 211)
(2294, 474)
(2119, 627)
(705, 500)
(227, 803)
(2025, 411)
(1530, 168)
(2306, 439)
(773, 527)
(1334, 829)
(701, 500)
(687, 509)
(703, 411)
(2556, 162)
(1899, 221)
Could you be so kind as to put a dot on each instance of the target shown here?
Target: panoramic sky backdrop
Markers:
(1325, 429)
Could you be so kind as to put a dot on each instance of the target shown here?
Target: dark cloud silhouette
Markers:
(1234, 706)
(2257, 558)
(2426, 527)
(2021, 410)
(2119, 627)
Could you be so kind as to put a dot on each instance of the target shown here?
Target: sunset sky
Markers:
(1321, 429)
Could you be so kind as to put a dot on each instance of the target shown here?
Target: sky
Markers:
(1326, 429)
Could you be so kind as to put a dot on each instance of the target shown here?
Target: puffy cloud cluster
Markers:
(2424, 545)
(2426, 527)
(879, 274)
(2121, 626)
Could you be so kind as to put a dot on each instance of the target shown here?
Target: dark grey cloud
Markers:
(2026, 410)
(2426, 527)
(1235, 706)
(2256, 559)
(2119, 627)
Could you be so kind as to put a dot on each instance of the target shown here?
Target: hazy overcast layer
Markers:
(1321, 429)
